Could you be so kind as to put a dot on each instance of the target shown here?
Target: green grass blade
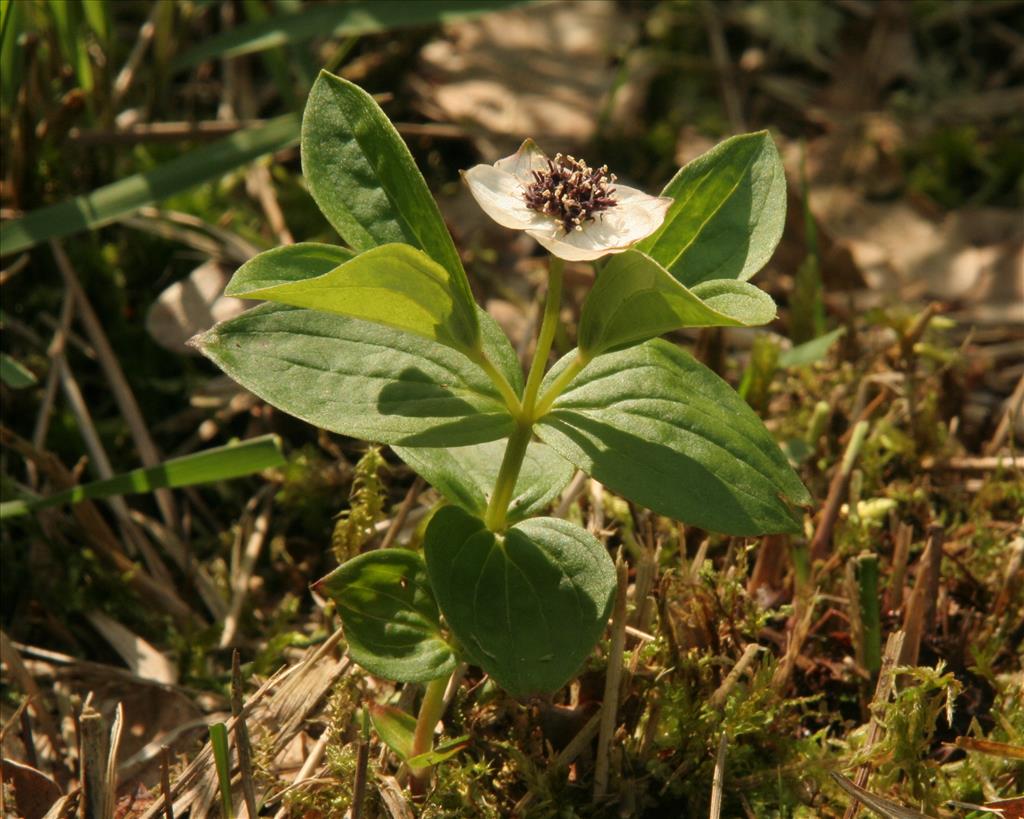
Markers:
(334, 20)
(222, 759)
(111, 202)
(218, 464)
(15, 374)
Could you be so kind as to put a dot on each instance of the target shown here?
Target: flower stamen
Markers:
(571, 192)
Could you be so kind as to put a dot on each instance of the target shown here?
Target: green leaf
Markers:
(810, 351)
(105, 205)
(728, 214)
(635, 299)
(364, 179)
(358, 378)
(333, 20)
(391, 621)
(286, 264)
(654, 425)
(500, 351)
(466, 475)
(446, 750)
(222, 763)
(395, 727)
(526, 605)
(394, 284)
(15, 374)
(218, 464)
(744, 303)
(307, 260)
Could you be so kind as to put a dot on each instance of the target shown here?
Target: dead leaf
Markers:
(144, 660)
(34, 791)
(191, 306)
(990, 747)
(877, 804)
(1010, 808)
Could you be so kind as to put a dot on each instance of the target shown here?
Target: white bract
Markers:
(576, 212)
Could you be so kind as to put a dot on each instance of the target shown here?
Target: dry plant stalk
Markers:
(920, 611)
(836, 492)
(883, 690)
(722, 692)
(718, 779)
(242, 743)
(613, 678)
(93, 753)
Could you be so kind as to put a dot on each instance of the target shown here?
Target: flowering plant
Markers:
(571, 209)
(382, 340)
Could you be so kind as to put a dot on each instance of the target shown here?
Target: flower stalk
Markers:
(496, 516)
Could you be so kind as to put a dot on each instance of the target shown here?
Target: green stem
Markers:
(558, 385)
(548, 326)
(496, 376)
(496, 515)
(430, 712)
(497, 509)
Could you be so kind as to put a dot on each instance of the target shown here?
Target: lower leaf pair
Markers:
(526, 605)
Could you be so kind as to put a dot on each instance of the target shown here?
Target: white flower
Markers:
(578, 213)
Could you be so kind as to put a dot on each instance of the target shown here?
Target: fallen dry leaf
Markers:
(191, 306)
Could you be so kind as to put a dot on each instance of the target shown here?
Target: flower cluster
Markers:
(571, 191)
(570, 208)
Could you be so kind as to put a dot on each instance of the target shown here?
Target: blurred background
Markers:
(149, 148)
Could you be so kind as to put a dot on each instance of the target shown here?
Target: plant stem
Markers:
(508, 474)
(559, 384)
(515, 451)
(496, 376)
(548, 326)
(430, 712)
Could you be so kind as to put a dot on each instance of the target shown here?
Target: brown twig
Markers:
(242, 743)
(54, 351)
(126, 75)
(165, 781)
(119, 386)
(718, 779)
(836, 493)
(1006, 424)
(359, 783)
(723, 66)
(93, 755)
(246, 562)
(803, 612)
(403, 512)
(11, 657)
(722, 692)
(883, 690)
(898, 570)
(612, 680)
(95, 526)
(920, 611)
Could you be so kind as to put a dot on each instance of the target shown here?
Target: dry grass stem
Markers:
(242, 744)
(612, 682)
(165, 781)
(245, 564)
(718, 779)
(94, 745)
(119, 387)
(837, 489)
(883, 690)
(722, 692)
(402, 515)
(920, 611)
